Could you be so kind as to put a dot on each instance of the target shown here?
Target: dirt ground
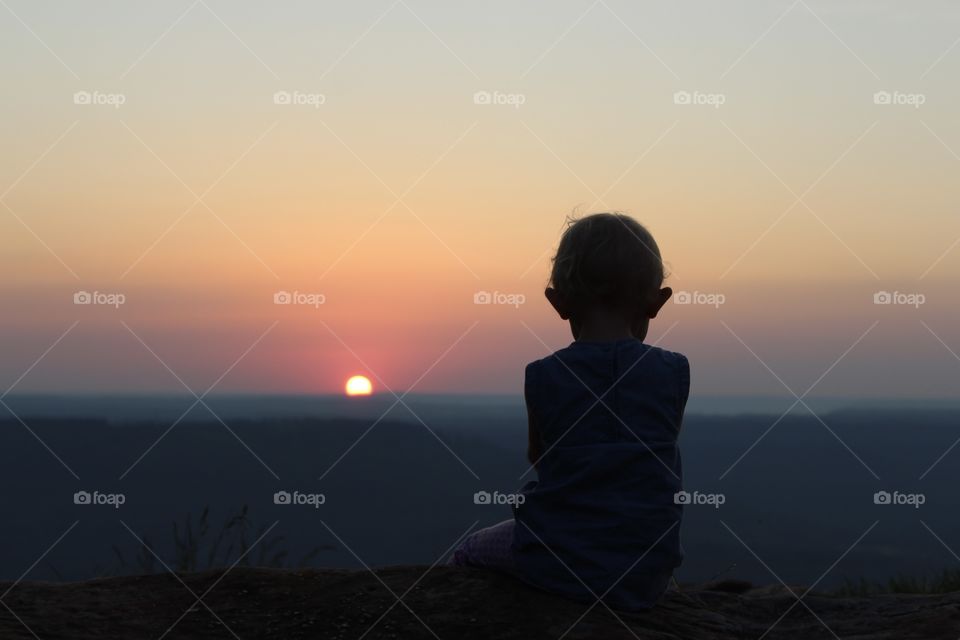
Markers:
(448, 603)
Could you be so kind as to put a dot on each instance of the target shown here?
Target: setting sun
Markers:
(359, 386)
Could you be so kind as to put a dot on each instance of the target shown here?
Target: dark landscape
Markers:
(793, 509)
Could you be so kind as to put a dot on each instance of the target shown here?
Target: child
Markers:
(604, 415)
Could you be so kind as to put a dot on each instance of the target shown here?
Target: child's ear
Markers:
(659, 299)
(557, 302)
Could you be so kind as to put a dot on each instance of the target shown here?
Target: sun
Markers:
(358, 386)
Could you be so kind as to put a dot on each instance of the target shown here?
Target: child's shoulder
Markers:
(586, 351)
(674, 357)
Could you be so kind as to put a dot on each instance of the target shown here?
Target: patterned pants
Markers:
(488, 548)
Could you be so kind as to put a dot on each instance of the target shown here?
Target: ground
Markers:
(447, 603)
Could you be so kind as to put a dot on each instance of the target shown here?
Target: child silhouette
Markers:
(604, 415)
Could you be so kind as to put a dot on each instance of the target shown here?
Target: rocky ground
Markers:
(447, 603)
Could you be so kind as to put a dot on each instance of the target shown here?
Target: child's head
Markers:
(607, 271)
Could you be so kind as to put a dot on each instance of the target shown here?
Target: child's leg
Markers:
(489, 548)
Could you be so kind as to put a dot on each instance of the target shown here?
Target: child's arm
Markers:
(534, 444)
(684, 389)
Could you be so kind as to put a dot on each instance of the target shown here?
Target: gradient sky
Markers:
(399, 197)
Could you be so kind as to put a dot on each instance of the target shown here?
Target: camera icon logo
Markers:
(82, 97)
(282, 97)
(81, 497)
(882, 97)
(881, 497)
(481, 497)
(482, 97)
(482, 297)
(681, 497)
(82, 297)
(282, 297)
(683, 297)
(882, 297)
(682, 97)
(281, 497)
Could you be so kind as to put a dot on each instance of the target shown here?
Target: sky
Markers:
(184, 166)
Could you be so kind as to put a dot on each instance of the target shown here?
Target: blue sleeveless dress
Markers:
(602, 521)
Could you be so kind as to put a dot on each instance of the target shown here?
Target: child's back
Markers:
(604, 416)
(602, 520)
